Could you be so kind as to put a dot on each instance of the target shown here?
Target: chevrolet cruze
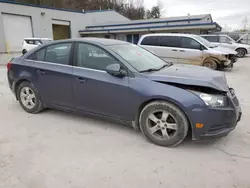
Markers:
(121, 81)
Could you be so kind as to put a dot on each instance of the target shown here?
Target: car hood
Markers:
(225, 50)
(190, 75)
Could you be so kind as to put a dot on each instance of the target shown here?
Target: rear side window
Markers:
(38, 55)
(58, 53)
(190, 43)
(34, 42)
(151, 41)
(170, 41)
(212, 38)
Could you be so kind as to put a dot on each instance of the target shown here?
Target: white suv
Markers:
(30, 43)
(228, 42)
(188, 49)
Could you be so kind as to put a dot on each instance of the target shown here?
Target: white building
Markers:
(19, 21)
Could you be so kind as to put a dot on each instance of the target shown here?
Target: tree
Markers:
(245, 24)
(156, 11)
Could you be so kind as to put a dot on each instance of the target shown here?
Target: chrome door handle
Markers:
(42, 72)
(182, 50)
(81, 80)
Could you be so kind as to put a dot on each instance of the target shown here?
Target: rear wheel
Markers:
(241, 52)
(210, 63)
(29, 98)
(163, 123)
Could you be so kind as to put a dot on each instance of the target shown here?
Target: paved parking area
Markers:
(57, 149)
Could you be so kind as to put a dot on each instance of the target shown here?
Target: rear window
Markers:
(151, 41)
(170, 41)
(34, 42)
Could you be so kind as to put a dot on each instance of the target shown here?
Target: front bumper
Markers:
(217, 122)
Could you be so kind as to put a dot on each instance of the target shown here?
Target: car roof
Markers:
(101, 41)
(170, 34)
(215, 35)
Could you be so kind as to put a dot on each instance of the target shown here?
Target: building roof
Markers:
(53, 8)
(203, 21)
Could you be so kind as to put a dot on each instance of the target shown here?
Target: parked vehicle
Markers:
(121, 81)
(187, 49)
(30, 43)
(228, 42)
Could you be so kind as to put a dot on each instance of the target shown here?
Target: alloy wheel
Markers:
(162, 125)
(28, 97)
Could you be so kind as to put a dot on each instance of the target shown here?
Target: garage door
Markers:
(16, 28)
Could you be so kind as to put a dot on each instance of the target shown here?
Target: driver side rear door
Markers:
(95, 90)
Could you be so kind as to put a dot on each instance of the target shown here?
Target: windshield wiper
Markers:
(154, 69)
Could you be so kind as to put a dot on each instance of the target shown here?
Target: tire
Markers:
(176, 124)
(210, 63)
(32, 104)
(241, 52)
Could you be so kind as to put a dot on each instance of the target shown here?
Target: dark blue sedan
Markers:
(124, 82)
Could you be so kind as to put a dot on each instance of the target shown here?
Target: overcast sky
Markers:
(224, 12)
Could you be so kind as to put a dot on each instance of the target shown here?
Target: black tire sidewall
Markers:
(179, 116)
(38, 106)
(244, 52)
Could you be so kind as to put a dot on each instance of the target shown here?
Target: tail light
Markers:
(9, 65)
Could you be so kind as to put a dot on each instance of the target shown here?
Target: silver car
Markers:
(188, 49)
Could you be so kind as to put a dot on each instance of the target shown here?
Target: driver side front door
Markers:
(94, 89)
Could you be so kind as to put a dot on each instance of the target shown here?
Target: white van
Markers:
(228, 42)
(188, 49)
(30, 43)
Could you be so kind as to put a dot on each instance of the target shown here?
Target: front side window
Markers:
(150, 41)
(225, 40)
(58, 53)
(93, 57)
(212, 38)
(190, 43)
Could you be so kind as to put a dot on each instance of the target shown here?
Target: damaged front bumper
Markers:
(218, 122)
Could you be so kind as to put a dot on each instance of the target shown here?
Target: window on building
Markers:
(190, 43)
(151, 41)
(93, 57)
(170, 41)
(225, 40)
(58, 53)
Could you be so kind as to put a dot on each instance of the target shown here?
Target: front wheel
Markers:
(163, 123)
(29, 98)
(210, 63)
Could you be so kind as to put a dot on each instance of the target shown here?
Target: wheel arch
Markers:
(164, 99)
(17, 84)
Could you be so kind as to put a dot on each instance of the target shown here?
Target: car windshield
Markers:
(141, 59)
(204, 41)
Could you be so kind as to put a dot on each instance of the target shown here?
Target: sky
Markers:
(227, 13)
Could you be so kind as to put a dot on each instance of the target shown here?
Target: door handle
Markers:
(174, 50)
(81, 80)
(42, 72)
(182, 50)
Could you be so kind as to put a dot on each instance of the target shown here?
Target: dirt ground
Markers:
(61, 150)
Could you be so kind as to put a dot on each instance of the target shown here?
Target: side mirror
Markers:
(202, 48)
(24, 51)
(115, 70)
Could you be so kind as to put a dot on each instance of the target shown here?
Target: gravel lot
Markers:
(61, 150)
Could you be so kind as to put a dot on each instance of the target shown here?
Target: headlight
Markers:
(213, 100)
